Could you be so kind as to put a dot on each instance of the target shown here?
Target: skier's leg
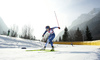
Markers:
(52, 37)
(45, 45)
(47, 42)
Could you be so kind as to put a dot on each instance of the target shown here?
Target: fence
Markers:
(96, 42)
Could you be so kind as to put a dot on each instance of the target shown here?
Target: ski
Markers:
(46, 50)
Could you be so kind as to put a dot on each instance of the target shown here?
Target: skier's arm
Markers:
(44, 33)
(56, 27)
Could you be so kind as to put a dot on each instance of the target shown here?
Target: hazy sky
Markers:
(39, 13)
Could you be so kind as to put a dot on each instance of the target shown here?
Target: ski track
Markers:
(10, 49)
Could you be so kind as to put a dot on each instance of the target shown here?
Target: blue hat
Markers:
(47, 27)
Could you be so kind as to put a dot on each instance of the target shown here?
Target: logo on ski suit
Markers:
(51, 31)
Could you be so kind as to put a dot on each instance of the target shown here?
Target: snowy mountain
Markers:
(84, 17)
(94, 11)
(3, 27)
(93, 24)
(91, 19)
(59, 35)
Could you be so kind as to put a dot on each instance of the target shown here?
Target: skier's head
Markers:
(47, 28)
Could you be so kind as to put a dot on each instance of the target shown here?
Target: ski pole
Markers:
(56, 18)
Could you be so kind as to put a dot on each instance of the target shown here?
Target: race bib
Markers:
(51, 31)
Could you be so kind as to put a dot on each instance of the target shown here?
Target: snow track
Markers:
(10, 49)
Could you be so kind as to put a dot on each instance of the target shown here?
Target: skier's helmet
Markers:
(47, 27)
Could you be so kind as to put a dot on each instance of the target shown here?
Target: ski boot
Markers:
(52, 48)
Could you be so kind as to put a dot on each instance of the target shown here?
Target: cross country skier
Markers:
(51, 36)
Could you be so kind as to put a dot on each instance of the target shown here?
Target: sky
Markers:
(40, 13)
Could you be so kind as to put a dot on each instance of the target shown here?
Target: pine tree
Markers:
(78, 35)
(65, 35)
(59, 39)
(88, 34)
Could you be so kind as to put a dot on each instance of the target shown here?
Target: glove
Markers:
(58, 27)
(42, 35)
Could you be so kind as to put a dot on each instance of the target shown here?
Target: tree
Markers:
(72, 35)
(27, 32)
(65, 35)
(14, 31)
(60, 39)
(4, 33)
(78, 35)
(34, 38)
(88, 34)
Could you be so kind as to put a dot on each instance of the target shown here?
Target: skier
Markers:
(8, 32)
(51, 36)
(72, 44)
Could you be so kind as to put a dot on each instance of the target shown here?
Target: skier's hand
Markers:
(42, 35)
(58, 27)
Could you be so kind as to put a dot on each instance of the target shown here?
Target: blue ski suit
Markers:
(51, 36)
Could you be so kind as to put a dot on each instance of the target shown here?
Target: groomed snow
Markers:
(10, 49)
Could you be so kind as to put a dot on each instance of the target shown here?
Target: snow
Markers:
(10, 49)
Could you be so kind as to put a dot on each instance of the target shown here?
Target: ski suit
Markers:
(51, 36)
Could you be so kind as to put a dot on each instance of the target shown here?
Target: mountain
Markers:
(3, 27)
(94, 26)
(92, 20)
(84, 17)
(59, 35)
